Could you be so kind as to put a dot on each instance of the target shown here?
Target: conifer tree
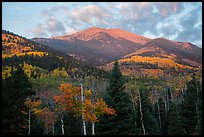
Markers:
(14, 91)
(148, 121)
(199, 117)
(189, 112)
(164, 118)
(175, 125)
(117, 98)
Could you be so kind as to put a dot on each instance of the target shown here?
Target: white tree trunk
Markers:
(133, 105)
(82, 100)
(182, 95)
(143, 128)
(158, 109)
(172, 97)
(165, 106)
(159, 113)
(62, 123)
(92, 110)
(93, 131)
(53, 128)
(166, 101)
(197, 104)
(29, 122)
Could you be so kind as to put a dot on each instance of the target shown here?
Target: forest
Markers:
(90, 105)
(45, 92)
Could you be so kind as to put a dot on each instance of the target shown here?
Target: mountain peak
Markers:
(95, 32)
(94, 27)
(90, 31)
(162, 38)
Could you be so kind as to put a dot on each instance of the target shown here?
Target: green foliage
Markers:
(189, 112)
(199, 115)
(14, 90)
(68, 66)
(164, 117)
(150, 123)
(118, 99)
(179, 112)
(175, 126)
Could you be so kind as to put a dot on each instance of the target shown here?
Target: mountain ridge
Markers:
(114, 32)
(98, 46)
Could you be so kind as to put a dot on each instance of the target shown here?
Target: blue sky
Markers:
(179, 21)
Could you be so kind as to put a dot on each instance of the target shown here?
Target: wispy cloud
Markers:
(91, 15)
(39, 31)
(52, 12)
(54, 26)
(51, 25)
(175, 20)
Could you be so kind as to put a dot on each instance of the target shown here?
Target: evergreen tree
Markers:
(164, 118)
(189, 112)
(118, 99)
(199, 117)
(14, 91)
(175, 125)
(150, 124)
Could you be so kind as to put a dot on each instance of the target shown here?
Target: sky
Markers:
(179, 21)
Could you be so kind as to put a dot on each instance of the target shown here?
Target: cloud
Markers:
(137, 17)
(191, 27)
(143, 5)
(143, 17)
(54, 26)
(51, 27)
(58, 9)
(39, 31)
(122, 6)
(71, 31)
(168, 8)
(174, 20)
(161, 19)
(169, 29)
(89, 15)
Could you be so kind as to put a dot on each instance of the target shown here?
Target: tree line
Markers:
(122, 109)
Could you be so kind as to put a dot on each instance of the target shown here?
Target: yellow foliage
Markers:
(6, 71)
(162, 62)
(32, 104)
(38, 53)
(152, 72)
(60, 72)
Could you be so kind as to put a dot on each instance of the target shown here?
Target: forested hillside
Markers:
(47, 92)
(43, 68)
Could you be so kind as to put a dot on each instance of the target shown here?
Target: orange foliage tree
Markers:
(44, 114)
(48, 117)
(70, 100)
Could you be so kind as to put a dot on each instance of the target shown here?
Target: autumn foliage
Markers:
(42, 113)
(70, 100)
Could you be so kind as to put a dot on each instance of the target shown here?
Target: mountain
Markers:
(39, 60)
(161, 56)
(95, 32)
(182, 52)
(95, 45)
